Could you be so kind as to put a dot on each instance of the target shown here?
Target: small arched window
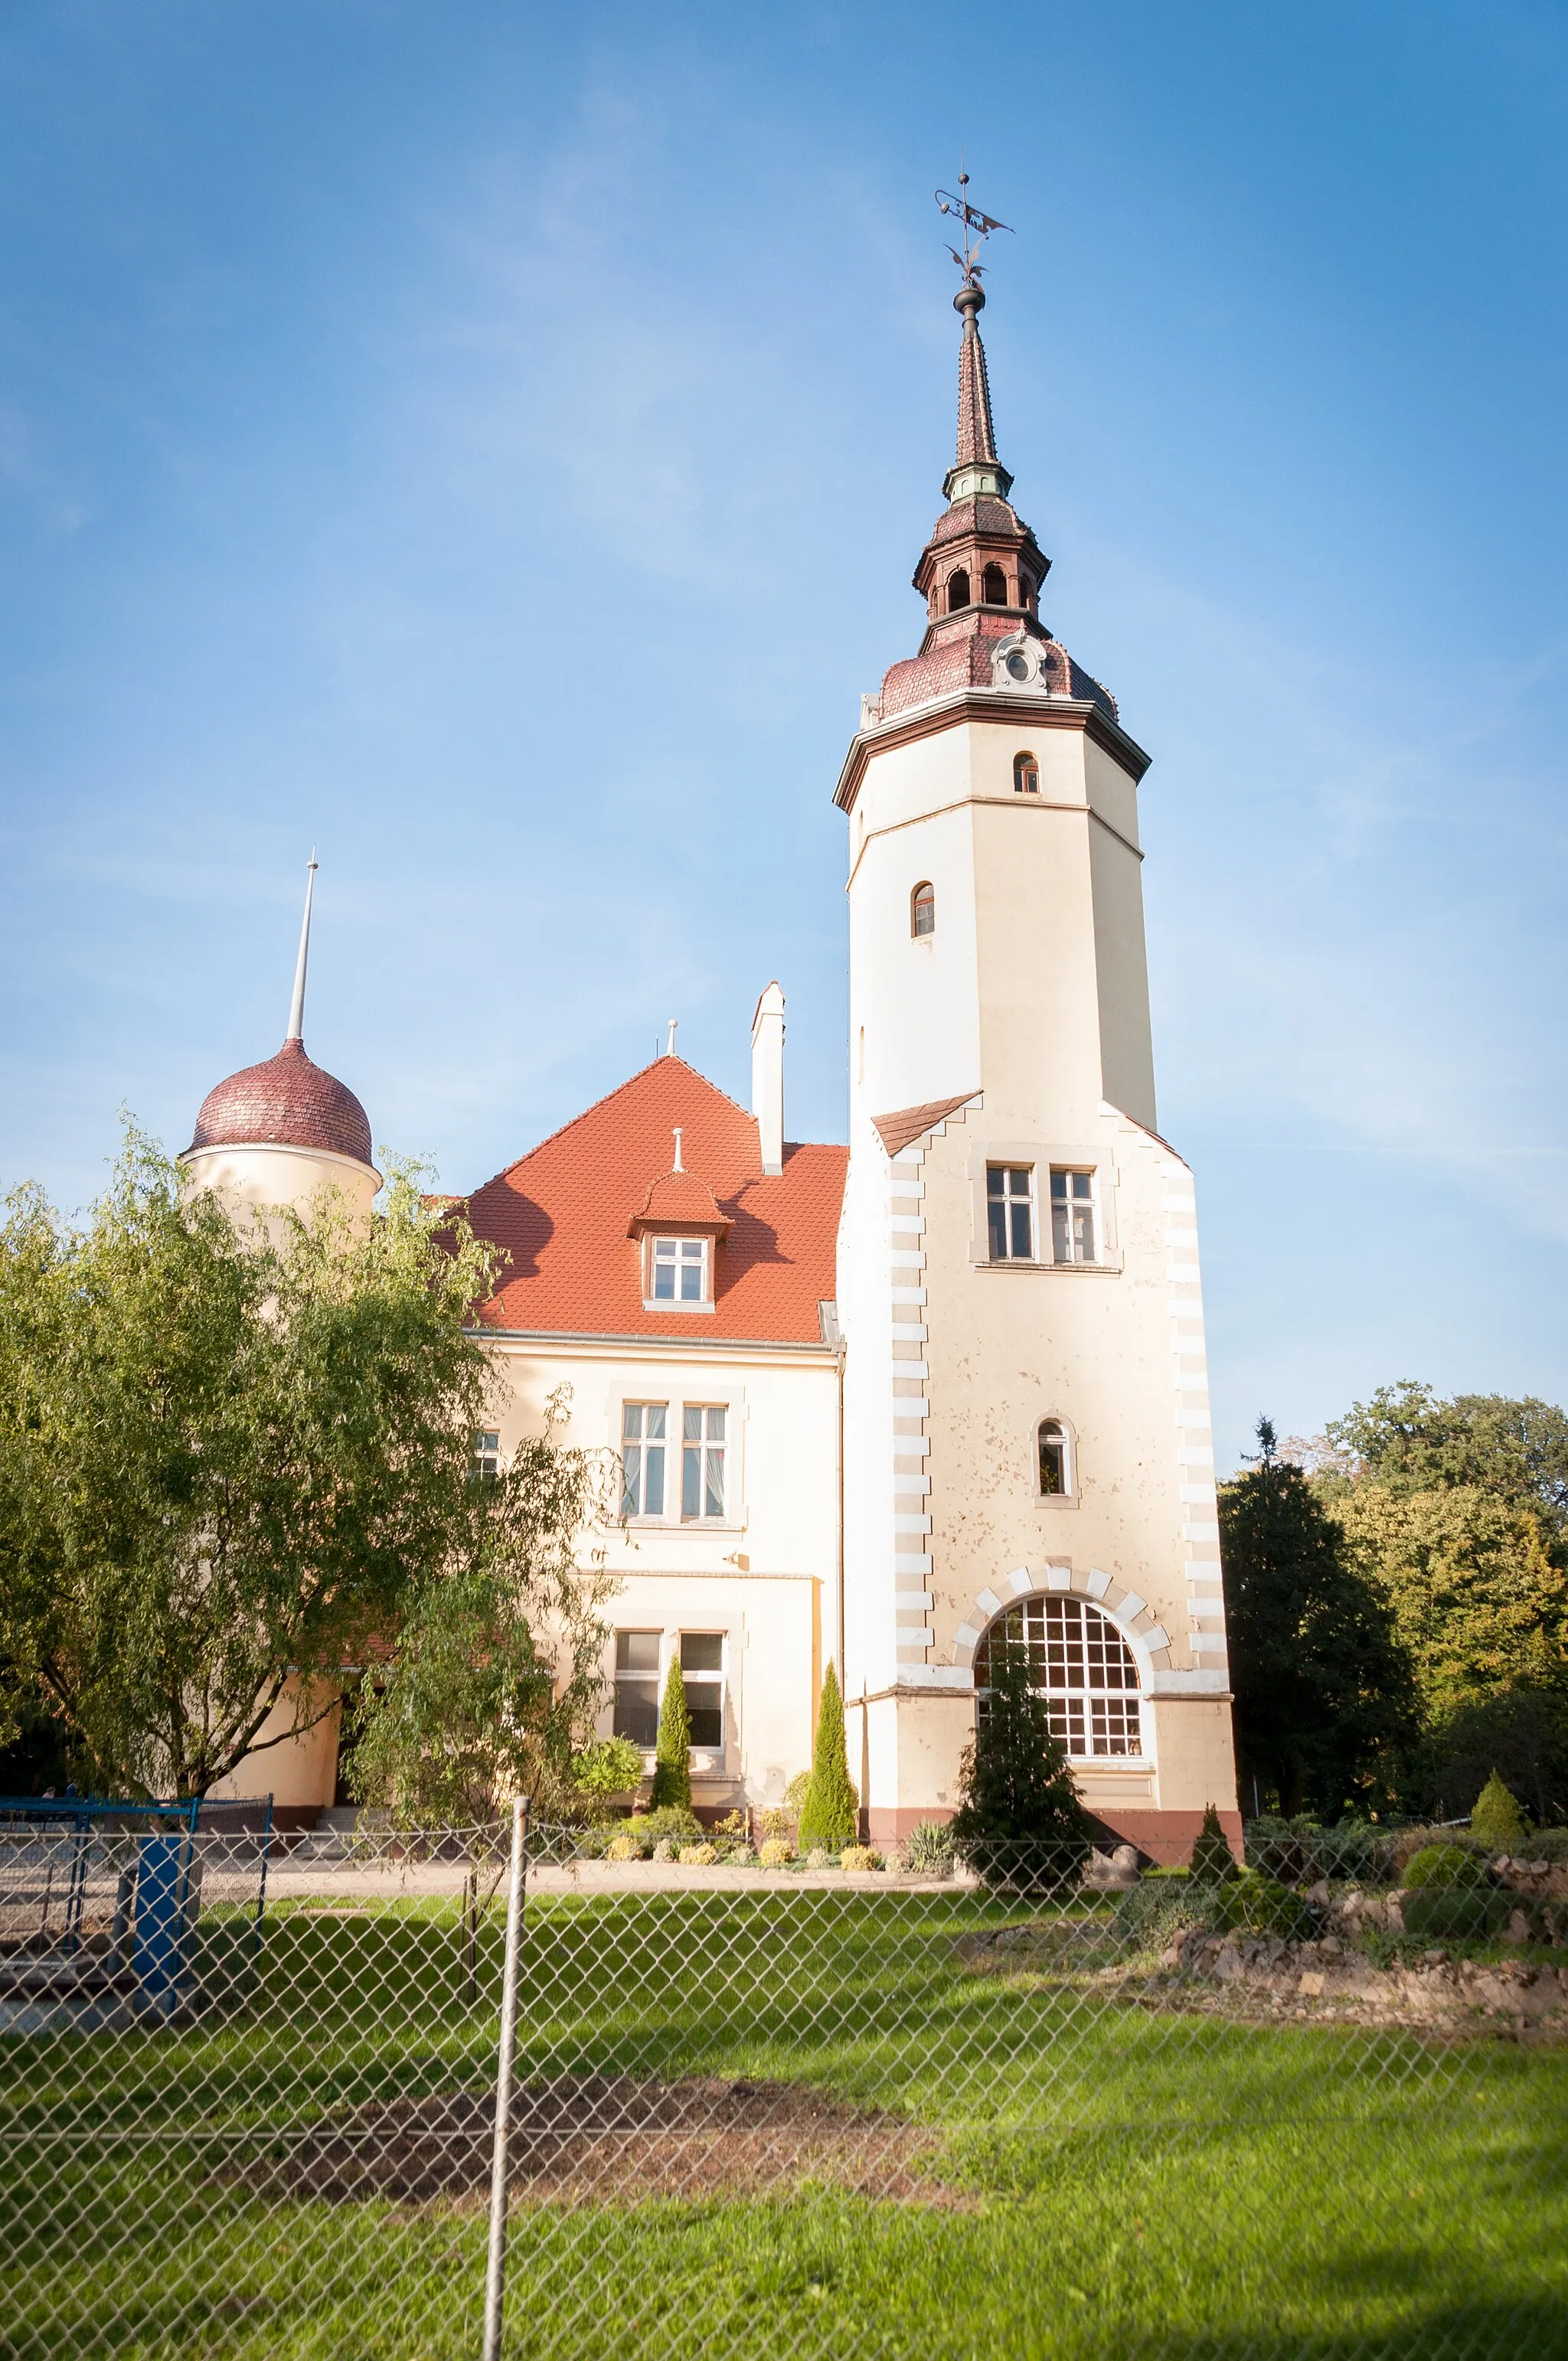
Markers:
(993, 586)
(923, 909)
(1026, 775)
(1054, 1459)
(958, 591)
(1082, 1665)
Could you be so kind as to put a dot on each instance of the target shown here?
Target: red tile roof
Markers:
(286, 1102)
(562, 1213)
(678, 1200)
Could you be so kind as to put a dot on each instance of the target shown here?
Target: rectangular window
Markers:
(486, 1462)
(1072, 1215)
(642, 1459)
(703, 1446)
(702, 1668)
(636, 1687)
(1010, 1212)
(680, 1271)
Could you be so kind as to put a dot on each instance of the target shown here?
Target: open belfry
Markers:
(867, 1407)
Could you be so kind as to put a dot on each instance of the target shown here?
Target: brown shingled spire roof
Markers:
(977, 436)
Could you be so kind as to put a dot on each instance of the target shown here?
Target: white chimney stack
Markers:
(767, 1076)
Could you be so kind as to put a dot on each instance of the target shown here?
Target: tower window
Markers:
(958, 591)
(1026, 775)
(1086, 1670)
(923, 909)
(1072, 1215)
(1010, 1212)
(993, 586)
(1055, 1460)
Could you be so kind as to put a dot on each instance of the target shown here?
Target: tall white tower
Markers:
(1026, 1418)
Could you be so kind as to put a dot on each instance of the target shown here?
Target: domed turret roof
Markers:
(286, 1102)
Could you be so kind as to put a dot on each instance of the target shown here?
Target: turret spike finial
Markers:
(297, 1007)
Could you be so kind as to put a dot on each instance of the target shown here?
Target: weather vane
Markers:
(970, 218)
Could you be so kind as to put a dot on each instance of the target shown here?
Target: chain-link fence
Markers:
(1033, 2104)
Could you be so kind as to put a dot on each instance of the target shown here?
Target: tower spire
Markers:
(976, 469)
(297, 1007)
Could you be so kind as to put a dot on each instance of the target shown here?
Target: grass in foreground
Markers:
(1138, 2183)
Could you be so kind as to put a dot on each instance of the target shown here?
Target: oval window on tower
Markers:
(995, 587)
(958, 591)
(1026, 775)
(923, 910)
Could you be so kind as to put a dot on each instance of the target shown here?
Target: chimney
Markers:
(767, 1076)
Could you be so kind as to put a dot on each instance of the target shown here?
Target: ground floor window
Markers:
(636, 1687)
(702, 1669)
(1088, 1673)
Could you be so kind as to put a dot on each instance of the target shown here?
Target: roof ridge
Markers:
(664, 1057)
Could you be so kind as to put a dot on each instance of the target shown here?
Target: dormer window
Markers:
(678, 1270)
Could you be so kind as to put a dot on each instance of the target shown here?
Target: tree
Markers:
(232, 1459)
(830, 1813)
(496, 1675)
(1408, 1440)
(1521, 1733)
(1322, 1686)
(672, 1759)
(1213, 1863)
(1477, 1602)
(1496, 1819)
(1019, 1819)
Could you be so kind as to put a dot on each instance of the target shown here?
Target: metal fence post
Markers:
(496, 2259)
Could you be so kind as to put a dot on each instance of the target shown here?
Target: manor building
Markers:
(871, 1404)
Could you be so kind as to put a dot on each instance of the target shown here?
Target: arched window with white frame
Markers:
(923, 910)
(1054, 1470)
(1083, 1667)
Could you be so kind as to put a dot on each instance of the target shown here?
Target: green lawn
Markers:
(1129, 2181)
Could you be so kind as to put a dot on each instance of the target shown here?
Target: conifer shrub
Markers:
(1439, 1866)
(830, 1816)
(1456, 1910)
(1213, 1863)
(1496, 1821)
(672, 1761)
(1019, 1822)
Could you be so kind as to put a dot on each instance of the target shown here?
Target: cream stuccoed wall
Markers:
(1031, 1001)
(260, 1176)
(767, 1576)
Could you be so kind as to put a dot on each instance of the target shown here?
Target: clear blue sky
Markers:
(491, 443)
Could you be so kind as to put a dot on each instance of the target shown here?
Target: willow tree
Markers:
(233, 1461)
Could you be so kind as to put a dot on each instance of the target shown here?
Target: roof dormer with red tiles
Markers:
(598, 1223)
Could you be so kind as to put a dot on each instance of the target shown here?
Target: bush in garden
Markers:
(777, 1853)
(1213, 1863)
(698, 1856)
(743, 1856)
(1251, 1905)
(1496, 1821)
(831, 1813)
(1456, 1910)
(1158, 1909)
(817, 1858)
(678, 1822)
(665, 1849)
(929, 1849)
(1442, 1865)
(777, 1824)
(857, 1859)
(672, 1761)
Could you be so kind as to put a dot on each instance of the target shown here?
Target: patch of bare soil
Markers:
(593, 2139)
